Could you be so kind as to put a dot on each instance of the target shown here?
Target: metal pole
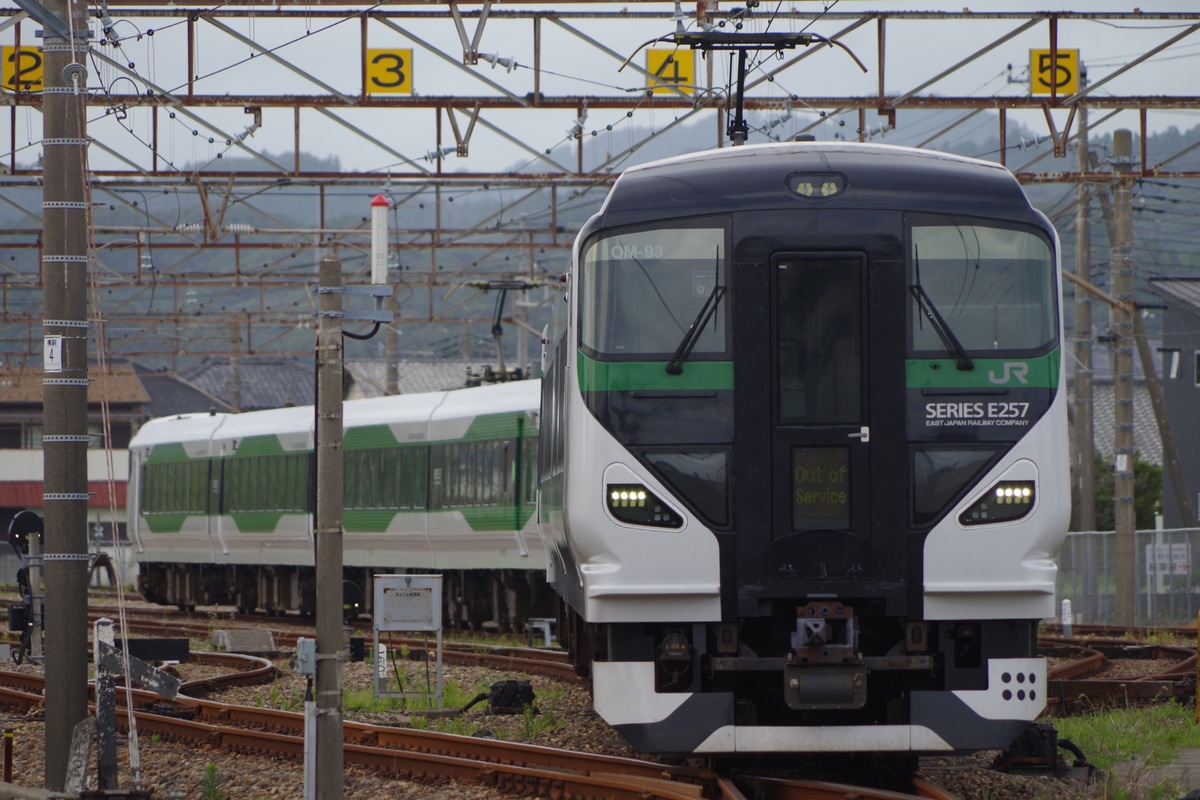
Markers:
(391, 352)
(1122, 318)
(328, 529)
(64, 395)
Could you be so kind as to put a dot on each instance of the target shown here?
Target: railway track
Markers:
(426, 756)
(1085, 675)
(1089, 677)
(286, 630)
(1082, 680)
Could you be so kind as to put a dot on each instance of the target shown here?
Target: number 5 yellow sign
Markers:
(389, 71)
(22, 69)
(1060, 77)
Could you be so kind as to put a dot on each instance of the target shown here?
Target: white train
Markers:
(804, 465)
(221, 504)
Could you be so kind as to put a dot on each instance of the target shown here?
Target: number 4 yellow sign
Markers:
(1054, 76)
(22, 69)
(389, 71)
(670, 67)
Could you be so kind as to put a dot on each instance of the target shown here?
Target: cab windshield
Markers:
(642, 290)
(994, 288)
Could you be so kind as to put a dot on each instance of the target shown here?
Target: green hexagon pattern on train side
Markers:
(266, 445)
(498, 426)
(497, 518)
(256, 521)
(369, 437)
(167, 454)
(484, 518)
(164, 523)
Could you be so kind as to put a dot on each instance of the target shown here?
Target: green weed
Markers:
(456, 724)
(210, 784)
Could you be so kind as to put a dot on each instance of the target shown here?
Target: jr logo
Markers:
(1012, 369)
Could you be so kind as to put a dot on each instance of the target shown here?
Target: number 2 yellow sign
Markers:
(389, 71)
(22, 69)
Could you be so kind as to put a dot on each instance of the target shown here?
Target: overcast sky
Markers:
(328, 50)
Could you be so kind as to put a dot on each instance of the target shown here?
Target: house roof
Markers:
(263, 381)
(171, 395)
(116, 384)
(1186, 291)
(1147, 443)
(414, 377)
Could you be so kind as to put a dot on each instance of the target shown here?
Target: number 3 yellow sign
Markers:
(1059, 77)
(389, 71)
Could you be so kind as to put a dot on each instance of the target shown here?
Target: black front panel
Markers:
(820, 458)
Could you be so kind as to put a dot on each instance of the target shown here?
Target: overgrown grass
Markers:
(1153, 734)
(364, 699)
(1126, 743)
(277, 697)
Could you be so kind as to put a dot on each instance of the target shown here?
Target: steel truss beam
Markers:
(197, 208)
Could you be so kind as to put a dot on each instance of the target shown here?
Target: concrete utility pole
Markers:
(1085, 446)
(65, 206)
(1122, 323)
(328, 530)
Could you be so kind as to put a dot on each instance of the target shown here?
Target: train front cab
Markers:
(879, 502)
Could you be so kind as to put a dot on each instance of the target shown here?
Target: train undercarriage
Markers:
(496, 600)
(810, 671)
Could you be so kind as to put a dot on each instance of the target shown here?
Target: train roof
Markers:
(392, 410)
(752, 177)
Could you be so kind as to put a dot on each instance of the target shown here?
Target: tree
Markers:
(1147, 493)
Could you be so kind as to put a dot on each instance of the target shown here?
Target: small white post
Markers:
(1066, 617)
(379, 246)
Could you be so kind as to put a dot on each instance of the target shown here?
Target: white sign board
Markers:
(408, 602)
(1168, 559)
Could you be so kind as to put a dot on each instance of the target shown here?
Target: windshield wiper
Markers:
(941, 328)
(675, 365)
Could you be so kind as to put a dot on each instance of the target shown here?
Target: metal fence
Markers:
(1167, 583)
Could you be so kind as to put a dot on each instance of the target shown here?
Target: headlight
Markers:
(634, 503)
(1006, 501)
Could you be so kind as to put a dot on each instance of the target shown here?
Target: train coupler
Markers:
(1035, 751)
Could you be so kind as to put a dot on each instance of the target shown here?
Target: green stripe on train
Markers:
(935, 373)
(630, 376)
(1039, 372)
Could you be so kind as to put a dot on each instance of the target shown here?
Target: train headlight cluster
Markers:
(634, 503)
(1007, 500)
(816, 185)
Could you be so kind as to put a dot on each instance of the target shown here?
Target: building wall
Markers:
(1181, 391)
(21, 475)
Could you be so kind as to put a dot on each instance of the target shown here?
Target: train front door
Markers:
(803, 489)
(821, 441)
